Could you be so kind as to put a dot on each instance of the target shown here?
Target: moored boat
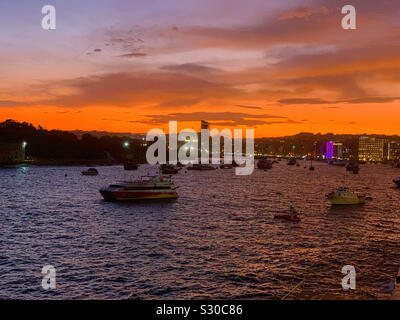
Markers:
(353, 166)
(264, 164)
(201, 167)
(345, 196)
(291, 162)
(169, 169)
(287, 217)
(397, 182)
(130, 165)
(226, 166)
(293, 215)
(90, 172)
(146, 188)
(339, 163)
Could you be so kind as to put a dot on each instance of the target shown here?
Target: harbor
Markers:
(218, 239)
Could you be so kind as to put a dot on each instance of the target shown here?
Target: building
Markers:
(338, 150)
(393, 152)
(331, 149)
(205, 125)
(370, 149)
(11, 153)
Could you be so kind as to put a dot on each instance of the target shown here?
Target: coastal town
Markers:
(23, 143)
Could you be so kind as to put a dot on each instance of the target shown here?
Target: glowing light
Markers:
(126, 144)
(24, 144)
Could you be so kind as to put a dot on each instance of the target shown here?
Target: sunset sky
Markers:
(281, 67)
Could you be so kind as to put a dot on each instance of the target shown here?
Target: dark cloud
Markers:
(11, 103)
(346, 85)
(303, 12)
(189, 68)
(294, 101)
(182, 102)
(248, 107)
(219, 118)
(133, 55)
(133, 89)
(373, 100)
(303, 101)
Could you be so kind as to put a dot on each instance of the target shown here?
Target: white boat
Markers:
(344, 196)
(146, 188)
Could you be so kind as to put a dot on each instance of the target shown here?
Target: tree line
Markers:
(57, 144)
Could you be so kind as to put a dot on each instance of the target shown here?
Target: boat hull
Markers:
(115, 195)
(287, 217)
(89, 173)
(347, 201)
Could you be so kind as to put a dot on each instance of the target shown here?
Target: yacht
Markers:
(344, 196)
(146, 188)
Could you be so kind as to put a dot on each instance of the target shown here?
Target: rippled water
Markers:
(218, 240)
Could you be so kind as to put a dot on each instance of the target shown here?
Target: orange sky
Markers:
(278, 67)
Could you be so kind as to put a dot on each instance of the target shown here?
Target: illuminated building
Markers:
(370, 149)
(393, 150)
(205, 125)
(329, 150)
(338, 150)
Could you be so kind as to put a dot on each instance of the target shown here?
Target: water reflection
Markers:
(219, 239)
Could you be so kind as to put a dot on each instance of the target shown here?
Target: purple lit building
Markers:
(329, 150)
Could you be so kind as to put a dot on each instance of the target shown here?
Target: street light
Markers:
(126, 144)
(24, 144)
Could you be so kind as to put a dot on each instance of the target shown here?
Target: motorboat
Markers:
(355, 170)
(287, 217)
(201, 167)
(339, 163)
(169, 169)
(235, 164)
(293, 215)
(226, 166)
(90, 172)
(345, 196)
(291, 162)
(131, 165)
(264, 164)
(146, 188)
(353, 166)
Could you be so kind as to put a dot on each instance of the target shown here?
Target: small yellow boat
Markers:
(345, 196)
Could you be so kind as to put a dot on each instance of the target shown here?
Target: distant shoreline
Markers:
(64, 163)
